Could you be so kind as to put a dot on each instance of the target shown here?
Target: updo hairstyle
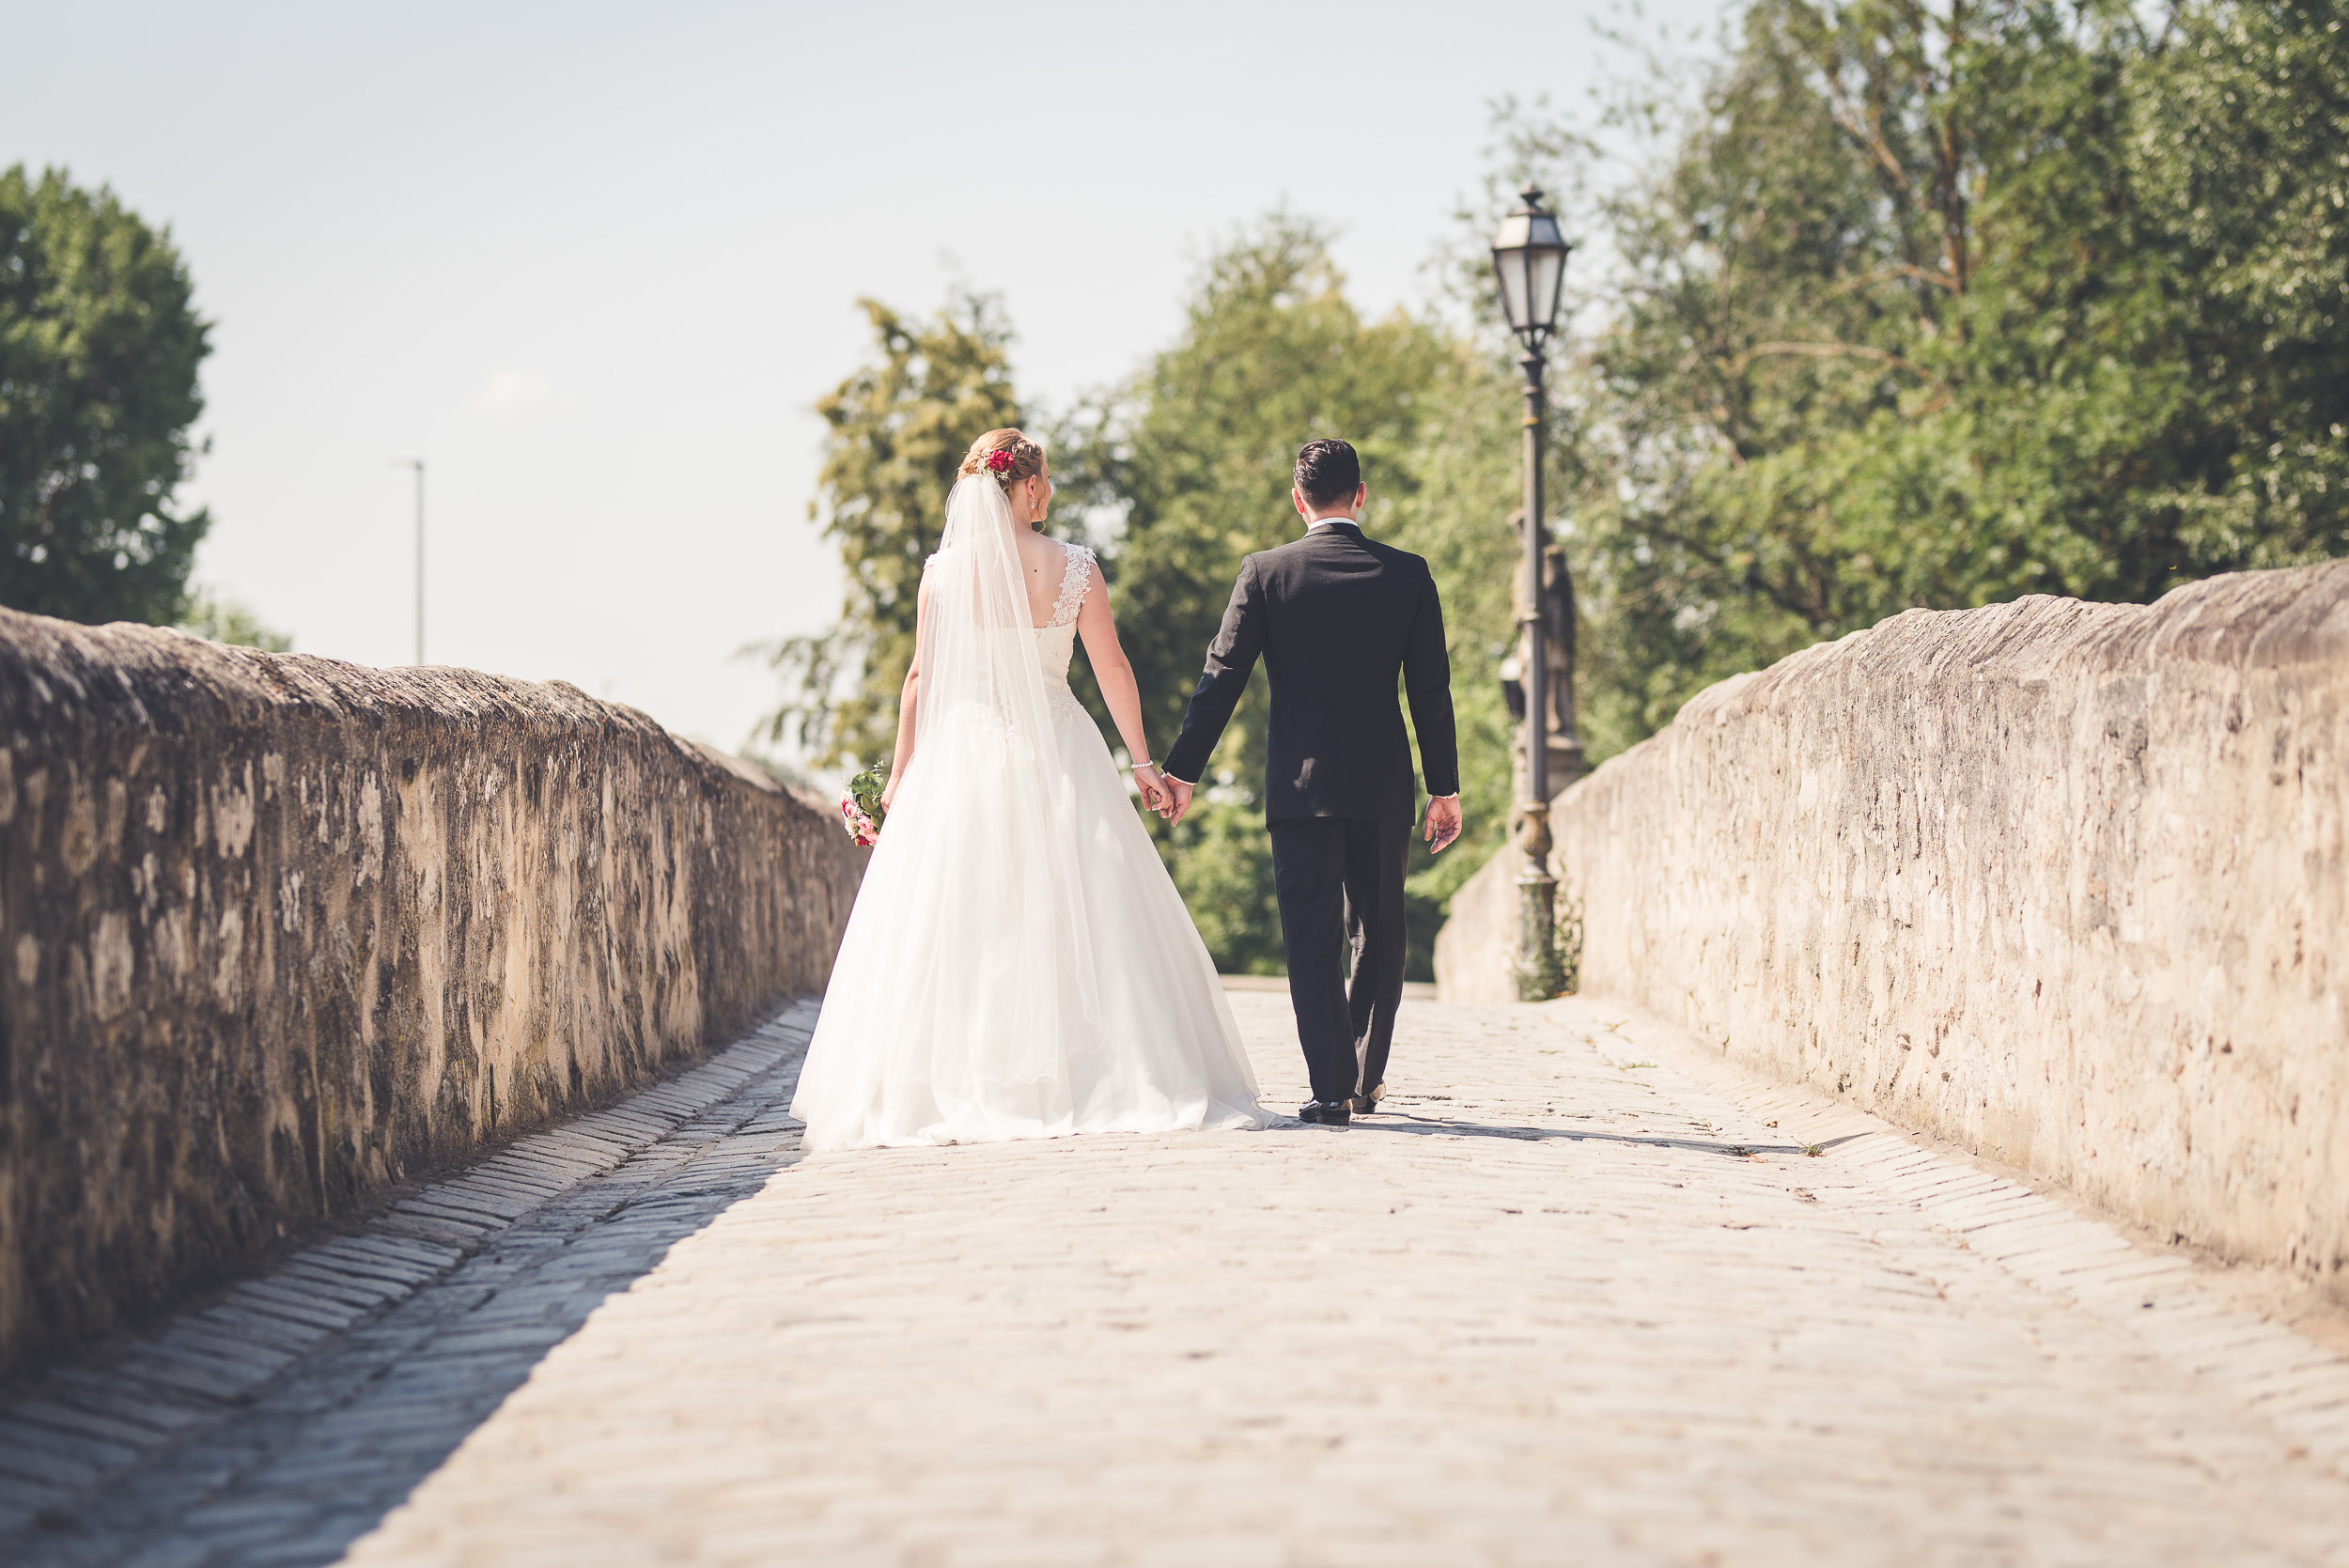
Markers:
(1027, 457)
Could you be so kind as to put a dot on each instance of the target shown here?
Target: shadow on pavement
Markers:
(321, 1455)
(1440, 1126)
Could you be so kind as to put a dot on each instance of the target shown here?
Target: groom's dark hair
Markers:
(1328, 472)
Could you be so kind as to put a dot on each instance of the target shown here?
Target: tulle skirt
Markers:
(962, 1008)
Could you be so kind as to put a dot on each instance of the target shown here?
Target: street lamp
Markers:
(417, 463)
(1529, 259)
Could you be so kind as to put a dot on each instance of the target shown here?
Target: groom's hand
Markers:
(1443, 823)
(1179, 793)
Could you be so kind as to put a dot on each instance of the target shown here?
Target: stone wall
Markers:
(276, 932)
(2062, 883)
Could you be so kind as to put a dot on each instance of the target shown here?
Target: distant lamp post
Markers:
(1529, 259)
(417, 463)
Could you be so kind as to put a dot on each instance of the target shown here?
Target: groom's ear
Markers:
(1297, 498)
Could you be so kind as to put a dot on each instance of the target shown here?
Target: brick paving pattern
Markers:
(1555, 1305)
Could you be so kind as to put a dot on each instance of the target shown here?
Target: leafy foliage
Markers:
(100, 345)
(896, 431)
(1194, 457)
(1195, 454)
(221, 620)
(1935, 306)
(1221, 859)
(1901, 303)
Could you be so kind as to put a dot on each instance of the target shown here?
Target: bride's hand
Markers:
(1154, 790)
(889, 795)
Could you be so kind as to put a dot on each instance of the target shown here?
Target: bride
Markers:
(1017, 964)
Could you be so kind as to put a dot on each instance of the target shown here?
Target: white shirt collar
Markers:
(1325, 523)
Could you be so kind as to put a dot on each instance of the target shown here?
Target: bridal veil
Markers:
(995, 994)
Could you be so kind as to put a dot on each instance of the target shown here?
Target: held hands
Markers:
(1443, 823)
(1153, 787)
(1171, 799)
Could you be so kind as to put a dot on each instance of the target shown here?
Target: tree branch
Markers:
(1837, 350)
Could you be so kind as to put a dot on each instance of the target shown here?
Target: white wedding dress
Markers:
(1019, 964)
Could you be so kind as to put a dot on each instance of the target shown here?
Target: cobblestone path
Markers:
(1577, 1297)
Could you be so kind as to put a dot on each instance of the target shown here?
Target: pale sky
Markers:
(595, 263)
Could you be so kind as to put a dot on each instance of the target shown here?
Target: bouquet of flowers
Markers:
(861, 807)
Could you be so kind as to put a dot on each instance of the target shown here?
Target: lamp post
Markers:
(1530, 257)
(417, 463)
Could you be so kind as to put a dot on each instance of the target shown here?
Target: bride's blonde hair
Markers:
(1026, 458)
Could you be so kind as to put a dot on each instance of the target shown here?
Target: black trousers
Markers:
(1339, 880)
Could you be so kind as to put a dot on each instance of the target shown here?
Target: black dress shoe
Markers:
(1366, 1103)
(1330, 1113)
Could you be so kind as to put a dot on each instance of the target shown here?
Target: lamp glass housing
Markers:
(1529, 259)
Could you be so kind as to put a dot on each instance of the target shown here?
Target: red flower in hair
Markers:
(999, 460)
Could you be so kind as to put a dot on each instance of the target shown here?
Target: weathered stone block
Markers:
(277, 931)
(2064, 882)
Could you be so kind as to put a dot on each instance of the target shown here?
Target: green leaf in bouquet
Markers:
(865, 790)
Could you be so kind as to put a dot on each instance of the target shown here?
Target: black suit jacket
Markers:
(1335, 617)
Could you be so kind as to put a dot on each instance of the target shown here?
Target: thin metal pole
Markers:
(1537, 670)
(419, 465)
(1537, 963)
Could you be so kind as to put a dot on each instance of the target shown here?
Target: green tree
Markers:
(1221, 859)
(1909, 302)
(1190, 462)
(99, 346)
(218, 619)
(1194, 457)
(2238, 159)
(1939, 305)
(1176, 474)
(895, 432)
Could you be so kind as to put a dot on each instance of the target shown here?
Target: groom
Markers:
(1336, 617)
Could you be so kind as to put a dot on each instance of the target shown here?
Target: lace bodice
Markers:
(1056, 639)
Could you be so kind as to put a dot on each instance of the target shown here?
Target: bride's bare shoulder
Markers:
(1066, 556)
(1039, 551)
